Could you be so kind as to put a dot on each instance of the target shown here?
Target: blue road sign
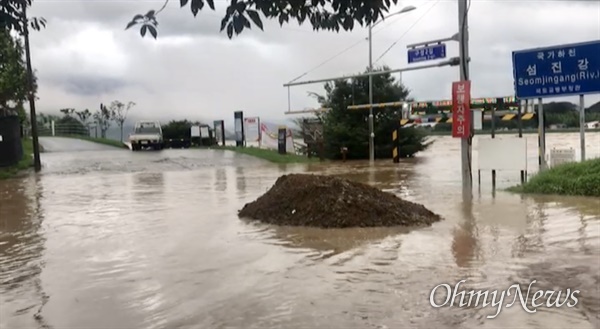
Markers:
(427, 53)
(572, 69)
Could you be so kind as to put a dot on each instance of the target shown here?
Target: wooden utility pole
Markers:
(37, 164)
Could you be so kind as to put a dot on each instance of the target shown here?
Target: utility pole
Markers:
(371, 126)
(463, 30)
(37, 164)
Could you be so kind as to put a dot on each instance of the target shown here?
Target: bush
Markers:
(581, 178)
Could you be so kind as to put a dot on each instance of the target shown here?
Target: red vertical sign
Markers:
(461, 109)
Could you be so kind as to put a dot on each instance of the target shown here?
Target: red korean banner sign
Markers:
(461, 109)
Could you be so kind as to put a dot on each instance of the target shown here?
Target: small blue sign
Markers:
(572, 69)
(427, 53)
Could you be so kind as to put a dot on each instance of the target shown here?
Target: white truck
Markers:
(146, 134)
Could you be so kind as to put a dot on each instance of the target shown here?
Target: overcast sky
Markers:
(85, 57)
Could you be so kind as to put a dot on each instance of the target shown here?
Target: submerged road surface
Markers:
(119, 239)
(62, 144)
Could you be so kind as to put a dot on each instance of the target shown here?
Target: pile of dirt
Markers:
(331, 202)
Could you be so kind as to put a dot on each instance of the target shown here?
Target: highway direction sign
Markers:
(571, 69)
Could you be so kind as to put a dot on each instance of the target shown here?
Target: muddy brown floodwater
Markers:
(115, 239)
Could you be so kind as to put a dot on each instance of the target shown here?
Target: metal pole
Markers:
(519, 113)
(494, 136)
(463, 28)
(450, 62)
(541, 135)
(582, 125)
(371, 128)
(37, 164)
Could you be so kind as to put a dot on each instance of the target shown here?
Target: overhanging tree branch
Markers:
(241, 13)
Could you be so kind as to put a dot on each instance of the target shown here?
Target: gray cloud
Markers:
(91, 85)
(193, 71)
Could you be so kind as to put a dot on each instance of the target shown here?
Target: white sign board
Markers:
(0, 138)
(204, 132)
(503, 153)
(252, 129)
(560, 156)
(477, 119)
(195, 131)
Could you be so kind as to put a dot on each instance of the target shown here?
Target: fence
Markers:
(54, 128)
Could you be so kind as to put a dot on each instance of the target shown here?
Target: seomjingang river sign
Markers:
(563, 70)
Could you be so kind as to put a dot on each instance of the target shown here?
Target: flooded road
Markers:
(119, 239)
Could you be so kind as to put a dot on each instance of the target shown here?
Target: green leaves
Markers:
(37, 23)
(148, 22)
(13, 73)
(230, 30)
(331, 15)
(196, 6)
(253, 14)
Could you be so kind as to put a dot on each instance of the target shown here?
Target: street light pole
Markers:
(371, 124)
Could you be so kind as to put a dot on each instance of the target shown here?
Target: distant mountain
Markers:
(594, 108)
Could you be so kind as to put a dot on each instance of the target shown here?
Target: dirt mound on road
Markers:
(331, 202)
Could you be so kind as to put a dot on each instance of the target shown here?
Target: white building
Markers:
(592, 124)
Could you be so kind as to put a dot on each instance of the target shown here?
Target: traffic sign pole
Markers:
(582, 126)
(465, 146)
(541, 135)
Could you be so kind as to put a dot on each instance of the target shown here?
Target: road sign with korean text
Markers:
(571, 69)
(428, 53)
(461, 109)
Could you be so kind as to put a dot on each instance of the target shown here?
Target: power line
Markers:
(357, 43)
(405, 33)
(329, 59)
(338, 54)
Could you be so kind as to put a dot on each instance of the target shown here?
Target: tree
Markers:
(119, 113)
(11, 16)
(348, 128)
(103, 118)
(13, 74)
(331, 15)
(67, 112)
(84, 116)
(178, 129)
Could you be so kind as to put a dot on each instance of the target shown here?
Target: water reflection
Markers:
(465, 244)
(21, 251)
(240, 181)
(148, 185)
(330, 242)
(585, 205)
(220, 179)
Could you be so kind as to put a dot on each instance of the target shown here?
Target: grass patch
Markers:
(105, 141)
(25, 163)
(579, 178)
(269, 155)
